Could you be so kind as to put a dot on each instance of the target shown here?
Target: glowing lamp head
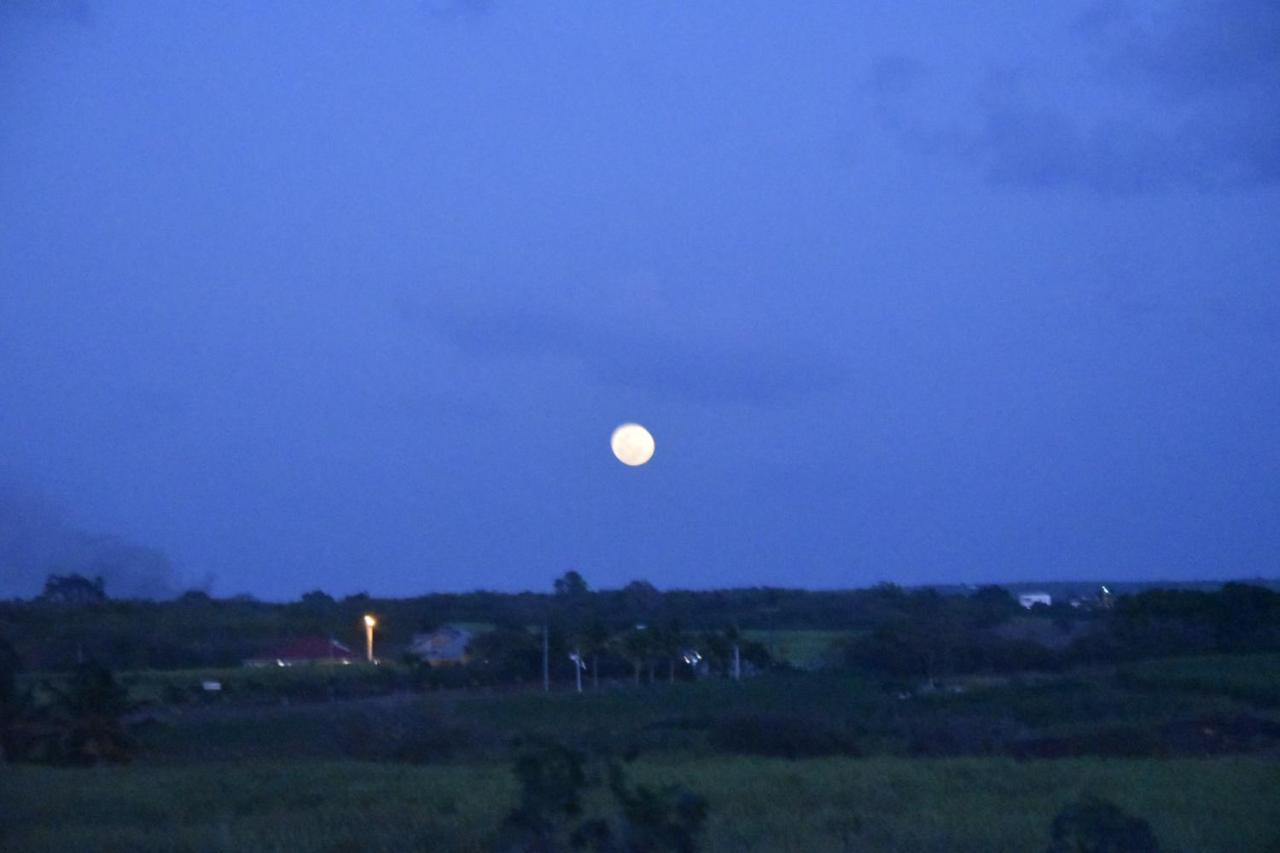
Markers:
(369, 621)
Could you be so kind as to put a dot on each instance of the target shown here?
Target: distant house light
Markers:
(445, 646)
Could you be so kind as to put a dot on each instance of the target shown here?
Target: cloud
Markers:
(1216, 64)
(1023, 140)
(646, 336)
(1188, 50)
(37, 539)
(1182, 99)
(74, 11)
(456, 9)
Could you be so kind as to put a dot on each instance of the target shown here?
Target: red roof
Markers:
(308, 648)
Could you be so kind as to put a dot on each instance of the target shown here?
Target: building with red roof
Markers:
(305, 650)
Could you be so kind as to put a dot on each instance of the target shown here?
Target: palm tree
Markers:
(668, 642)
(717, 651)
(595, 640)
(633, 644)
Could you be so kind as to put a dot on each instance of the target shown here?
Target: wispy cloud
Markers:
(37, 539)
(76, 11)
(1191, 96)
(456, 9)
(648, 337)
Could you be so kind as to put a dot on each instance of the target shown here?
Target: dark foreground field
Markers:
(953, 805)
(800, 762)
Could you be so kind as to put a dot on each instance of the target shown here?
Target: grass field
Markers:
(1252, 678)
(479, 724)
(1095, 714)
(253, 684)
(430, 770)
(801, 649)
(756, 804)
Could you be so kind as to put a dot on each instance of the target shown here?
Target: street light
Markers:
(369, 623)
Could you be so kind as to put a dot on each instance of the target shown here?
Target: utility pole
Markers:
(737, 664)
(546, 660)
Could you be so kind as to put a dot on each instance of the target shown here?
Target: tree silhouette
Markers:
(571, 585)
(550, 815)
(551, 781)
(635, 645)
(9, 703)
(595, 641)
(73, 589)
(84, 724)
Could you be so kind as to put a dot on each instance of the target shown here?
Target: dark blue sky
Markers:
(352, 295)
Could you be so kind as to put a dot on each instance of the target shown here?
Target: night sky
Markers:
(352, 295)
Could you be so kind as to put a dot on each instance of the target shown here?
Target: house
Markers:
(1031, 599)
(305, 650)
(445, 646)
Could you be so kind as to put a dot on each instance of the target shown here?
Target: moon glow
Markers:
(632, 444)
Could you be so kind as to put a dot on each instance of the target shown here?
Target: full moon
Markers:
(632, 444)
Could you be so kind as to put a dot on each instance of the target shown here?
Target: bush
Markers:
(80, 724)
(950, 733)
(1248, 678)
(650, 819)
(551, 815)
(551, 781)
(1114, 741)
(779, 736)
(411, 735)
(9, 700)
(1093, 825)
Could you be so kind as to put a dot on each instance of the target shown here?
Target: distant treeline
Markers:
(919, 632)
(932, 635)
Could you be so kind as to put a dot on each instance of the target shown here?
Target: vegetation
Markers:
(784, 715)
(1252, 678)
(643, 633)
(1093, 825)
(550, 814)
(9, 697)
(78, 723)
(921, 721)
(962, 805)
